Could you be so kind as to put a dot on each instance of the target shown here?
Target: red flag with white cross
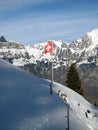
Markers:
(48, 48)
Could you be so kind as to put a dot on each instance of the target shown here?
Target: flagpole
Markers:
(52, 73)
(52, 78)
(67, 116)
(48, 49)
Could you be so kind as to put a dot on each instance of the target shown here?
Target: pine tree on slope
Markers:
(73, 80)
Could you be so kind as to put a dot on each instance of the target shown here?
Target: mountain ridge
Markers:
(83, 52)
(73, 52)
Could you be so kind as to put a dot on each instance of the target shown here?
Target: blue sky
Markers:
(33, 21)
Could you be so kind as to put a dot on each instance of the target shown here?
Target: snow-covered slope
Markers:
(26, 104)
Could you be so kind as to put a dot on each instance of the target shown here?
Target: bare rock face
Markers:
(2, 39)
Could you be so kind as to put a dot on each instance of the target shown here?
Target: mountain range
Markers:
(83, 52)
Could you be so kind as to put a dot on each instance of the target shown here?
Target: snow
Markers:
(94, 37)
(33, 51)
(83, 62)
(26, 103)
(72, 50)
(24, 55)
(20, 62)
(58, 43)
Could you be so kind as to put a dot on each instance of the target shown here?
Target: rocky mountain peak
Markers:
(79, 51)
(83, 52)
(2, 39)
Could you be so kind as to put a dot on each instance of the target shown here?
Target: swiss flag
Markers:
(48, 48)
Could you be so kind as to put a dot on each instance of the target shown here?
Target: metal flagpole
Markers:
(48, 49)
(67, 117)
(52, 73)
(52, 76)
(51, 84)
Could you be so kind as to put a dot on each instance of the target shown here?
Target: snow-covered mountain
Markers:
(87, 48)
(25, 104)
(84, 52)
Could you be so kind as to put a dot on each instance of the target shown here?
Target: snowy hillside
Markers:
(26, 104)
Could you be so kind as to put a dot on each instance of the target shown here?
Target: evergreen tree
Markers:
(73, 80)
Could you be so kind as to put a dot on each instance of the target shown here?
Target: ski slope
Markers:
(26, 104)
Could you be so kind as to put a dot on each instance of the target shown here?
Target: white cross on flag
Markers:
(48, 48)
